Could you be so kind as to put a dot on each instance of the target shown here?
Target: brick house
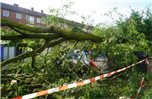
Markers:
(26, 16)
(21, 15)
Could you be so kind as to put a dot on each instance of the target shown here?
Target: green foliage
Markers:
(57, 15)
(8, 32)
(54, 68)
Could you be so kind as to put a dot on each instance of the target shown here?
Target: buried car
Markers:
(100, 62)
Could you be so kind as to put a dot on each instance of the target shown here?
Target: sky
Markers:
(96, 9)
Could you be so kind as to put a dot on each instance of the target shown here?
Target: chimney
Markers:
(42, 11)
(16, 5)
(32, 9)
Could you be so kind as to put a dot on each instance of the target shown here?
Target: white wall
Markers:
(11, 52)
(5, 53)
(8, 52)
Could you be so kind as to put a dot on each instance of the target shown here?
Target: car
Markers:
(99, 62)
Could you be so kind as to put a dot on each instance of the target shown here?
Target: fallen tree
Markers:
(51, 36)
(119, 42)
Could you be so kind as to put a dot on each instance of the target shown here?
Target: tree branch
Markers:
(12, 24)
(65, 33)
(18, 31)
(36, 51)
(30, 36)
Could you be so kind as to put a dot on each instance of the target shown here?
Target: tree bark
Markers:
(29, 36)
(33, 61)
(65, 33)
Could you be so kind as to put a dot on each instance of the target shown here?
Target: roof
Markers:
(18, 9)
(21, 10)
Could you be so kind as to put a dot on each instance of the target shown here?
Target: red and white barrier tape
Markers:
(141, 85)
(76, 84)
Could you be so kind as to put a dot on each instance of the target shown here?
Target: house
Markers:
(28, 17)
(22, 15)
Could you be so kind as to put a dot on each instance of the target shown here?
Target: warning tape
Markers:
(141, 85)
(76, 84)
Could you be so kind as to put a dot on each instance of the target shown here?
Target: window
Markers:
(38, 20)
(6, 13)
(30, 19)
(18, 16)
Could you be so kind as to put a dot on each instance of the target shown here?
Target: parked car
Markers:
(100, 62)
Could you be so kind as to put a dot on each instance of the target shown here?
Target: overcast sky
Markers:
(94, 8)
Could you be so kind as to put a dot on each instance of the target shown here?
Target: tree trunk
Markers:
(33, 61)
